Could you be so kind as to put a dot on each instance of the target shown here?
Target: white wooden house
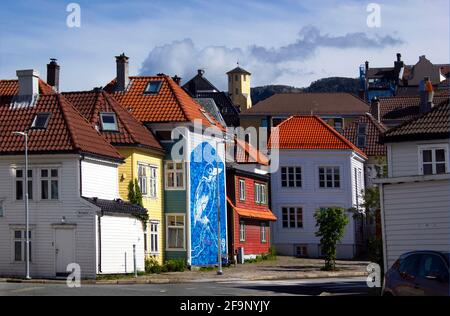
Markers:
(75, 214)
(318, 168)
(415, 198)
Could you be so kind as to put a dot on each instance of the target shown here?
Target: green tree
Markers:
(134, 193)
(331, 224)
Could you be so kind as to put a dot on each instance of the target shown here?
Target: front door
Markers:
(64, 249)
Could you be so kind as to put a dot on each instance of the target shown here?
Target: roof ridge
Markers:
(181, 106)
(379, 125)
(62, 104)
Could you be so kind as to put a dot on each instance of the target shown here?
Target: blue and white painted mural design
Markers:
(205, 174)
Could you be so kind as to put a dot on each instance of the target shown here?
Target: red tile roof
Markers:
(264, 214)
(67, 130)
(130, 131)
(309, 132)
(373, 132)
(11, 87)
(170, 104)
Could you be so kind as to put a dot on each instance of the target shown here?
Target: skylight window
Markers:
(153, 87)
(40, 121)
(109, 122)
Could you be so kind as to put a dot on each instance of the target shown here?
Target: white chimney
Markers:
(28, 82)
(123, 78)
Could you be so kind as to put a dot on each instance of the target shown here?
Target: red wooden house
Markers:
(249, 215)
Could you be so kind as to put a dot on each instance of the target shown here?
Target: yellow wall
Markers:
(243, 97)
(129, 171)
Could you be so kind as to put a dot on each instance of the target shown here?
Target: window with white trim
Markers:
(329, 177)
(260, 193)
(175, 232)
(433, 160)
(291, 177)
(292, 217)
(242, 189)
(242, 231)
(109, 122)
(49, 179)
(20, 188)
(263, 233)
(175, 175)
(154, 234)
(142, 178)
(153, 188)
(20, 245)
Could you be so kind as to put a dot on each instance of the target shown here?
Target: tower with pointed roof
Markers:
(239, 87)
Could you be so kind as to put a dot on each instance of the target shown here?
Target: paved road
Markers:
(331, 286)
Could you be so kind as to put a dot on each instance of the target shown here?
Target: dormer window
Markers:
(40, 121)
(109, 122)
(153, 87)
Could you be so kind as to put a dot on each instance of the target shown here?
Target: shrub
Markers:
(152, 265)
(175, 265)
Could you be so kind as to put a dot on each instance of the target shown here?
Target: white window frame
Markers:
(110, 127)
(296, 209)
(242, 190)
(143, 178)
(49, 180)
(174, 171)
(153, 182)
(263, 233)
(333, 187)
(33, 197)
(260, 193)
(242, 231)
(433, 149)
(168, 226)
(287, 177)
(22, 240)
(154, 234)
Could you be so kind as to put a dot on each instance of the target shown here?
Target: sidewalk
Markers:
(284, 268)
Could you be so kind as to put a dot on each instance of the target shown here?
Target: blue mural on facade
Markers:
(206, 172)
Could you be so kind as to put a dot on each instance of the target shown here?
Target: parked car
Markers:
(419, 273)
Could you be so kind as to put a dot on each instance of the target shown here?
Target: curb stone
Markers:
(181, 280)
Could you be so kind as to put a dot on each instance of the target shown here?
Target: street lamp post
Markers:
(27, 220)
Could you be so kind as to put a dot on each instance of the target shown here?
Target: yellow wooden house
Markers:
(143, 158)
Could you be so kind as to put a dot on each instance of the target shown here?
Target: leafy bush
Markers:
(175, 265)
(152, 265)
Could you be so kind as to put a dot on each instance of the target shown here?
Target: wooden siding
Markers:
(416, 217)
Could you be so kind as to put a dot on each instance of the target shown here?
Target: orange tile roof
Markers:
(171, 104)
(309, 132)
(67, 130)
(265, 214)
(130, 131)
(11, 87)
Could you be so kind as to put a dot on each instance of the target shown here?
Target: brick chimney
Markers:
(177, 79)
(123, 78)
(375, 109)
(53, 74)
(28, 82)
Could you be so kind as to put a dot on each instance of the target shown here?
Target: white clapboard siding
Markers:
(416, 217)
(43, 215)
(100, 179)
(310, 197)
(118, 235)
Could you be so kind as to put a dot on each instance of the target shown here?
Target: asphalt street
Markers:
(308, 287)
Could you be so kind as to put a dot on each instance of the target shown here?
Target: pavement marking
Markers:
(28, 289)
